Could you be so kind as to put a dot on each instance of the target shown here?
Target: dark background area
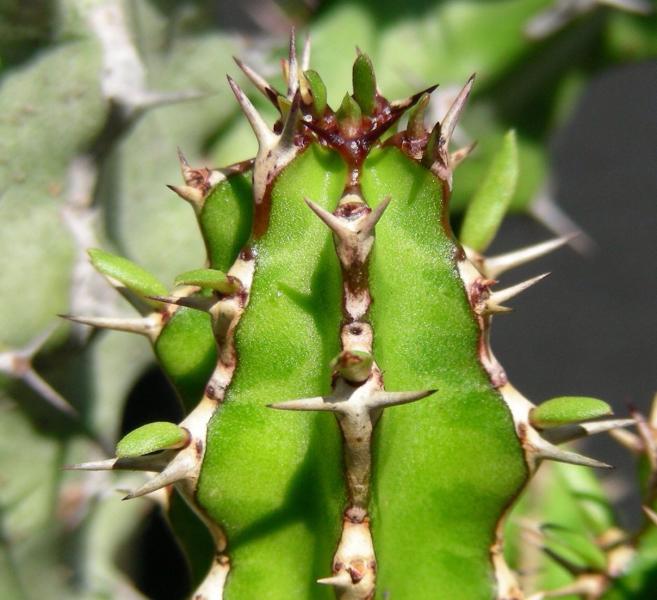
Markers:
(591, 327)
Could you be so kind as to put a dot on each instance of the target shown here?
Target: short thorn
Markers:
(496, 265)
(334, 223)
(341, 580)
(188, 193)
(400, 105)
(317, 403)
(451, 118)
(184, 164)
(373, 218)
(498, 297)
(458, 156)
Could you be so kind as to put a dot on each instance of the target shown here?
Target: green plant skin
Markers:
(272, 507)
(274, 480)
(186, 351)
(185, 348)
(445, 467)
(192, 536)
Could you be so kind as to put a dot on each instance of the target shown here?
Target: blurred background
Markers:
(95, 97)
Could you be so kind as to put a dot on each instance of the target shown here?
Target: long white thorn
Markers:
(316, 403)
(568, 433)
(373, 218)
(263, 133)
(155, 462)
(451, 118)
(385, 399)
(498, 297)
(496, 265)
(95, 465)
(549, 452)
(142, 326)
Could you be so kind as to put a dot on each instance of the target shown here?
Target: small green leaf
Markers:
(349, 116)
(134, 277)
(353, 365)
(152, 437)
(487, 208)
(317, 89)
(364, 82)
(210, 278)
(568, 409)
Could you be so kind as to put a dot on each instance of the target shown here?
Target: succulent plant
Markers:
(332, 282)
